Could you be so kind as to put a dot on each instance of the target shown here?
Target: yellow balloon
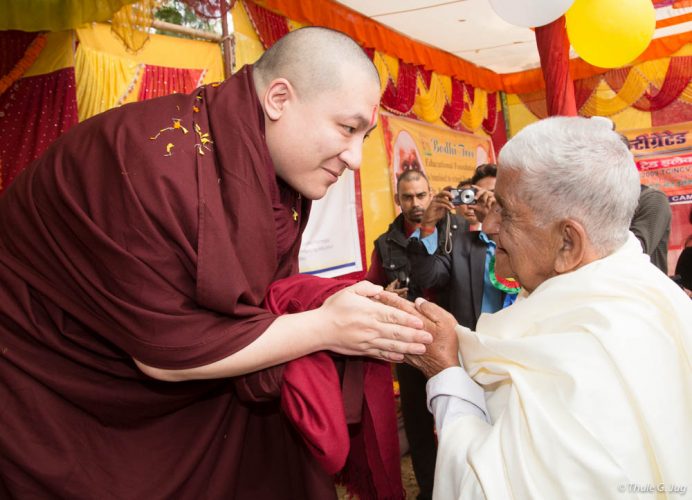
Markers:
(610, 33)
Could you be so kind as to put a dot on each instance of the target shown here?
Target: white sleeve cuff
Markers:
(452, 393)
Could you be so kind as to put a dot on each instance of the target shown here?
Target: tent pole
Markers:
(227, 40)
(184, 30)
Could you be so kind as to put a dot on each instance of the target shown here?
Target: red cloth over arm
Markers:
(311, 393)
(291, 295)
(301, 292)
(311, 396)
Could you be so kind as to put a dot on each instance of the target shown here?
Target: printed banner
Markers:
(445, 155)
(664, 159)
(333, 239)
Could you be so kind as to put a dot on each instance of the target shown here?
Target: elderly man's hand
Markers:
(444, 350)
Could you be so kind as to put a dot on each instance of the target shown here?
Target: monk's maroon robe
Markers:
(150, 231)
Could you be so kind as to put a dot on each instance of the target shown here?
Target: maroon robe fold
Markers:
(135, 236)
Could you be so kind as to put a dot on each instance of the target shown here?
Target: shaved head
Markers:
(314, 60)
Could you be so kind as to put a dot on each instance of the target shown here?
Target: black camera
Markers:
(465, 196)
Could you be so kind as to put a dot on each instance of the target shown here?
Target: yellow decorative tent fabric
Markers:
(131, 23)
(248, 47)
(103, 80)
(57, 54)
(54, 15)
(387, 67)
(637, 82)
(108, 74)
(430, 101)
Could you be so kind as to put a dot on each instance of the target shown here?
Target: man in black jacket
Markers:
(390, 268)
(463, 270)
(389, 264)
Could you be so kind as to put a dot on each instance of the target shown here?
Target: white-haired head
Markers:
(578, 168)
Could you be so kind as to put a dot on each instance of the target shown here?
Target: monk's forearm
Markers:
(348, 322)
(290, 336)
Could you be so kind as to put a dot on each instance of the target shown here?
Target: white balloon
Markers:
(530, 13)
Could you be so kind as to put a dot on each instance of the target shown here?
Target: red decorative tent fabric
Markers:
(399, 96)
(14, 44)
(269, 26)
(208, 9)
(451, 113)
(490, 122)
(33, 113)
(677, 79)
(654, 100)
(553, 48)
(158, 81)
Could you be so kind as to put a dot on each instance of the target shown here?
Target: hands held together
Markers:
(365, 320)
(443, 352)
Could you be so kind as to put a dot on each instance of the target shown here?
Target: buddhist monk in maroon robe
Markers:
(137, 360)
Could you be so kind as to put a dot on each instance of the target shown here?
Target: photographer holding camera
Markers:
(463, 268)
(390, 267)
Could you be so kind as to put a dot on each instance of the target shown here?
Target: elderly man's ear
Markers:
(574, 247)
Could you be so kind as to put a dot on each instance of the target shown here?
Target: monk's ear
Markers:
(277, 97)
(572, 246)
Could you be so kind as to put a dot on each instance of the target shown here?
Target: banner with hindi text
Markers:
(664, 159)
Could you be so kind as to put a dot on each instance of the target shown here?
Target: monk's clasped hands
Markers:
(357, 323)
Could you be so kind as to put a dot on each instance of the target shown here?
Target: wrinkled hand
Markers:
(394, 288)
(356, 325)
(440, 205)
(444, 350)
(484, 202)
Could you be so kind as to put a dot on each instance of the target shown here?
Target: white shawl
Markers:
(589, 387)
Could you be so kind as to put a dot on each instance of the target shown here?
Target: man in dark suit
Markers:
(390, 267)
(463, 269)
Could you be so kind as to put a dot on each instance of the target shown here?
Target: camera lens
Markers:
(468, 196)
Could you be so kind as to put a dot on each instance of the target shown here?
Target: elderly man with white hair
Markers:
(583, 387)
